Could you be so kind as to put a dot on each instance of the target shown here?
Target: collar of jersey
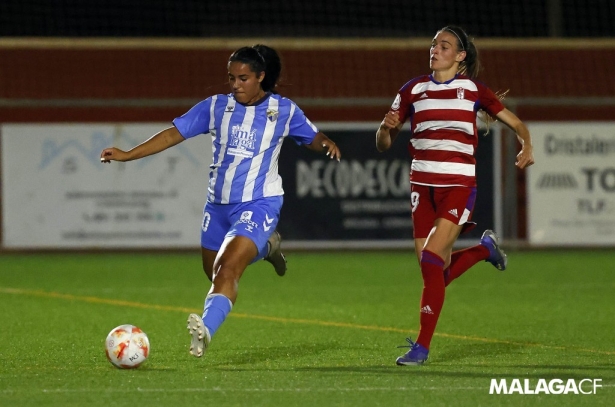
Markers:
(258, 102)
(442, 83)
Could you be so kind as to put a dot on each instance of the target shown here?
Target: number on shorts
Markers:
(414, 200)
(206, 219)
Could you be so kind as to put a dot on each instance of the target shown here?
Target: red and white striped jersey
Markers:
(443, 124)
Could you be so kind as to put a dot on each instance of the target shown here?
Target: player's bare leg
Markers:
(230, 262)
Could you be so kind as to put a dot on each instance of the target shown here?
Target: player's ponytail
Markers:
(273, 67)
(470, 66)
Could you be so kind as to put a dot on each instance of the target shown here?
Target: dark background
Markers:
(300, 18)
(309, 218)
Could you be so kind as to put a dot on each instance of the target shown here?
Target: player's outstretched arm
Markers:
(323, 144)
(525, 158)
(155, 144)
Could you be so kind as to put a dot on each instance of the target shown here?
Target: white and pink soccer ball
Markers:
(127, 346)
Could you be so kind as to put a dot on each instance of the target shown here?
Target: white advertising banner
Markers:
(571, 188)
(57, 194)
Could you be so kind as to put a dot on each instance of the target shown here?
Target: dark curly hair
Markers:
(261, 58)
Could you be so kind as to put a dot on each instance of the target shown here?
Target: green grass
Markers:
(323, 335)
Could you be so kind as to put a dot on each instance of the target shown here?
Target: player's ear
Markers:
(460, 56)
(261, 76)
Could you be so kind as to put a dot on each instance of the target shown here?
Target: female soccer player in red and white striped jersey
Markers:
(442, 109)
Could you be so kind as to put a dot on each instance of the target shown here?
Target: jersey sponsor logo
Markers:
(246, 217)
(396, 102)
(423, 96)
(272, 115)
(241, 141)
(229, 109)
(460, 93)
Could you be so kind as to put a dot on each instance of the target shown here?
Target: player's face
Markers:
(245, 84)
(444, 53)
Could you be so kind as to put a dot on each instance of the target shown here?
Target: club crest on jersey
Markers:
(396, 102)
(460, 93)
(272, 115)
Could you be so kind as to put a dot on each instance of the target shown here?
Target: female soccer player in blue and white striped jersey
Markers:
(245, 191)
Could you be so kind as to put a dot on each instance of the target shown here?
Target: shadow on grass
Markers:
(447, 364)
(439, 371)
(474, 351)
(609, 367)
(256, 355)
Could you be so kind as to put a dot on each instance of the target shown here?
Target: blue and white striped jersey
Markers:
(246, 143)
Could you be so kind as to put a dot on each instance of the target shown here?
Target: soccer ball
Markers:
(127, 346)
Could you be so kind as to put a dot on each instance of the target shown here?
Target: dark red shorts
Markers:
(455, 204)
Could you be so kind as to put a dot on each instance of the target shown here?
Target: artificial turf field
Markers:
(326, 334)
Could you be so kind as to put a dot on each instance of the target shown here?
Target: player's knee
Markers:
(226, 277)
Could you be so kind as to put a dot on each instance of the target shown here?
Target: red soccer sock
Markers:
(462, 260)
(433, 295)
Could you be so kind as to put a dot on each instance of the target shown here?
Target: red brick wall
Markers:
(193, 74)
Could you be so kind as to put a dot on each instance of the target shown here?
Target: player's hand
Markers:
(333, 152)
(391, 120)
(525, 158)
(113, 154)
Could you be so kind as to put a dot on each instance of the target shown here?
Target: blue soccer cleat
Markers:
(497, 257)
(200, 335)
(417, 355)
